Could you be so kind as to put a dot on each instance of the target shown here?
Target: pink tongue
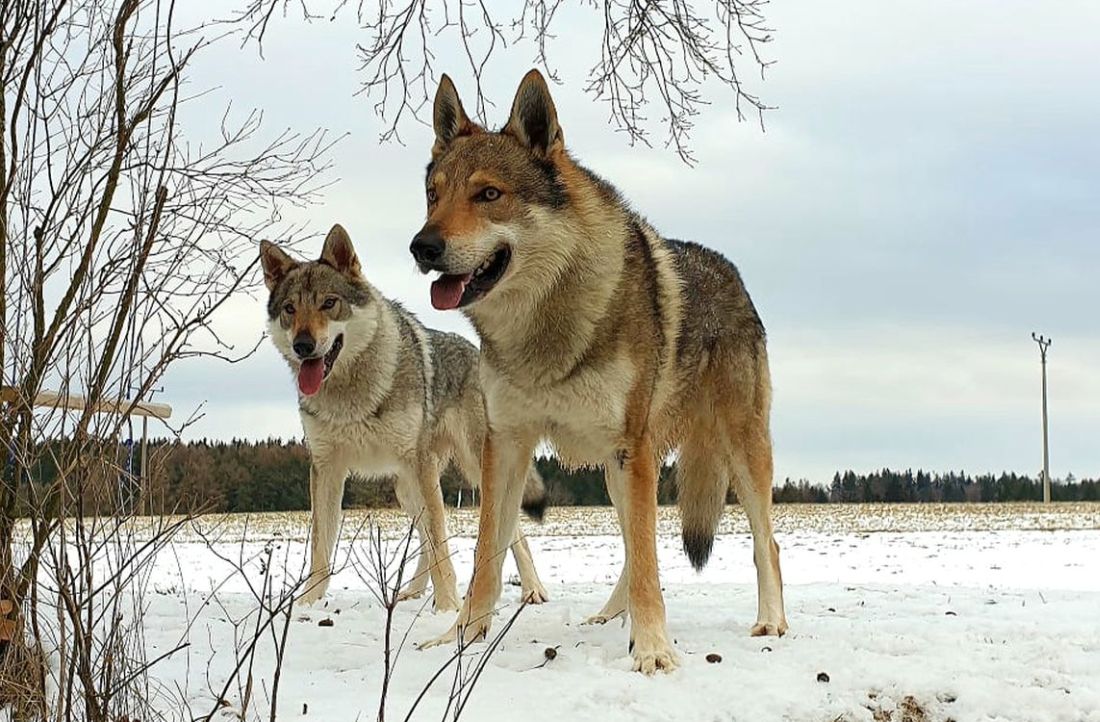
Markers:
(310, 376)
(447, 291)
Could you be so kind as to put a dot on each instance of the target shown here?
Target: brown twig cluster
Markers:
(246, 687)
(264, 627)
(662, 53)
(383, 567)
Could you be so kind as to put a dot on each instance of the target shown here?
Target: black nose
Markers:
(304, 345)
(427, 246)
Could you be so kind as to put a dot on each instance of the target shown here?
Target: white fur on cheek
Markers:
(281, 338)
(465, 253)
(359, 331)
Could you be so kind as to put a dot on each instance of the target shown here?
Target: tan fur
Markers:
(588, 343)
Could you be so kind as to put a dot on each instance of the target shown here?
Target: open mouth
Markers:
(452, 290)
(313, 371)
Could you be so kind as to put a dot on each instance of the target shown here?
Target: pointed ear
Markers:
(276, 264)
(448, 117)
(534, 121)
(338, 252)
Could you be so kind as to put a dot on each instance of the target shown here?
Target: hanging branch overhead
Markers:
(659, 63)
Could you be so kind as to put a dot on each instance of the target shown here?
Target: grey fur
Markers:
(400, 400)
(455, 360)
(317, 275)
(716, 303)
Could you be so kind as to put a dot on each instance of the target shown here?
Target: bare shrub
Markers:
(119, 241)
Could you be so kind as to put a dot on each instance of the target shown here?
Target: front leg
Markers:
(326, 490)
(504, 463)
(649, 642)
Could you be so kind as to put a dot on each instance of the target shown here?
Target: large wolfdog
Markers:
(612, 343)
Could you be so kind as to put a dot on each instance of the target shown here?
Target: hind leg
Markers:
(752, 477)
(419, 583)
(428, 514)
(617, 604)
(409, 500)
(530, 585)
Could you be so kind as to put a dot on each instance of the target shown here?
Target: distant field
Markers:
(789, 519)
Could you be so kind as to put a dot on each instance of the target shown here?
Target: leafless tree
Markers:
(120, 238)
(653, 55)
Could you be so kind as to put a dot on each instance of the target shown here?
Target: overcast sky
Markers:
(926, 194)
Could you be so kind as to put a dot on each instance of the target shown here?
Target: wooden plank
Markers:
(7, 626)
(54, 400)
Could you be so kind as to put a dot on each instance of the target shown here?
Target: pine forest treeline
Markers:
(273, 475)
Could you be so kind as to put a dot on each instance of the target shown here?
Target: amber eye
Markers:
(328, 303)
(432, 195)
(289, 309)
(488, 195)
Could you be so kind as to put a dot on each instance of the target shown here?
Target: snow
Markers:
(979, 613)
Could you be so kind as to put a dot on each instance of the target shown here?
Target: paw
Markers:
(604, 617)
(653, 653)
(447, 638)
(446, 603)
(312, 594)
(769, 629)
(535, 595)
(409, 593)
(469, 632)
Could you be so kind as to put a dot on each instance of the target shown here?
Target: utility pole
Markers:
(1044, 344)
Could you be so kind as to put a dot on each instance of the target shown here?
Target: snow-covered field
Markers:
(896, 613)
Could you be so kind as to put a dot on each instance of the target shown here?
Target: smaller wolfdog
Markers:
(380, 395)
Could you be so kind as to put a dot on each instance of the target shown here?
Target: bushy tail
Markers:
(704, 473)
(534, 494)
(701, 495)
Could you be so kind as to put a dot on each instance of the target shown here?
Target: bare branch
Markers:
(670, 56)
(130, 239)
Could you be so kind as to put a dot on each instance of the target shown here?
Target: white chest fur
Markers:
(370, 445)
(582, 417)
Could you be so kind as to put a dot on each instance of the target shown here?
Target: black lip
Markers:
(484, 282)
(333, 353)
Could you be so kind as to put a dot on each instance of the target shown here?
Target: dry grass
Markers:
(790, 518)
(907, 709)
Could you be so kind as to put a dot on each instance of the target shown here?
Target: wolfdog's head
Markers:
(318, 309)
(500, 204)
